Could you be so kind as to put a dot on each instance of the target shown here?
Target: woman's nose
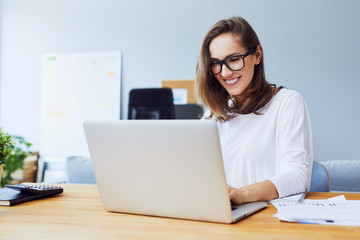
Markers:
(225, 71)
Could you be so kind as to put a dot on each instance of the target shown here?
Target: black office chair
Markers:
(151, 103)
(188, 111)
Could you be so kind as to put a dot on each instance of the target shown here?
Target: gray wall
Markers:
(309, 46)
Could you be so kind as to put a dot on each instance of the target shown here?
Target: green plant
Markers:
(6, 145)
(15, 160)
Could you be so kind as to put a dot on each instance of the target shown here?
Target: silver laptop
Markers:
(168, 168)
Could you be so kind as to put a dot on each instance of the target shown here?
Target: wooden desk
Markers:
(77, 214)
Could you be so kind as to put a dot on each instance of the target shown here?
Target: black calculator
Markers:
(37, 189)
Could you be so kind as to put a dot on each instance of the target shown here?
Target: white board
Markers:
(76, 87)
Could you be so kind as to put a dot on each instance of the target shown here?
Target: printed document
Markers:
(333, 211)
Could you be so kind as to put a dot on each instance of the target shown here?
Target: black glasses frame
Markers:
(222, 62)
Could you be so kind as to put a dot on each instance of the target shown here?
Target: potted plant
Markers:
(15, 160)
(6, 147)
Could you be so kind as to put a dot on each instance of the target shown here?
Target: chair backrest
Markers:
(151, 103)
(320, 180)
(188, 111)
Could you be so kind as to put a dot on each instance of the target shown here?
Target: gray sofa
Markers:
(79, 170)
(344, 174)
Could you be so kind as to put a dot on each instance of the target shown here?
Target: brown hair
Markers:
(213, 95)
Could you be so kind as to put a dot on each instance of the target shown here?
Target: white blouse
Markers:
(276, 145)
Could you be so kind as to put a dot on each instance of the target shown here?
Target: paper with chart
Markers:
(333, 211)
(77, 87)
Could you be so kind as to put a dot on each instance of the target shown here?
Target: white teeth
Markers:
(232, 81)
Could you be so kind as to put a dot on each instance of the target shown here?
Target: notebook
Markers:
(167, 168)
(10, 196)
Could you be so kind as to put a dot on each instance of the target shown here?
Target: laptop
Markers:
(167, 168)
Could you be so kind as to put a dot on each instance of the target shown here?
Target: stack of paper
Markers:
(333, 211)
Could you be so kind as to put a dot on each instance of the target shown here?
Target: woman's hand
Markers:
(237, 195)
(262, 191)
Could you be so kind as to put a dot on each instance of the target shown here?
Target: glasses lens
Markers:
(235, 63)
(215, 67)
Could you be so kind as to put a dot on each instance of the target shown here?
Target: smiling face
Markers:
(228, 44)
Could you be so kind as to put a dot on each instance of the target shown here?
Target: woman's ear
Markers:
(258, 55)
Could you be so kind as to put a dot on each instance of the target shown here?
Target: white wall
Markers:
(0, 54)
(310, 46)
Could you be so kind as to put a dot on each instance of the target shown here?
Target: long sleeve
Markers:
(294, 147)
(275, 145)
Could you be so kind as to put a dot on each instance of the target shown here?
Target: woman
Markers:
(264, 130)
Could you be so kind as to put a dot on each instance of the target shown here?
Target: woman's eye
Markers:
(235, 59)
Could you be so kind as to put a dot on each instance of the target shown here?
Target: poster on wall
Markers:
(76, 87)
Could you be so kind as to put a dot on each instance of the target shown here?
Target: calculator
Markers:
(36, 189)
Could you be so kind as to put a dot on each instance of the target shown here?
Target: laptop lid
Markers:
(169, 168)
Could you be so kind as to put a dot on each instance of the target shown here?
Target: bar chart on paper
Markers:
(77, 87)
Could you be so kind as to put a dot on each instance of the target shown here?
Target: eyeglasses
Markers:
(234, 63)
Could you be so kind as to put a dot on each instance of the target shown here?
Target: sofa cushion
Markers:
(344, 175)
(78, 169)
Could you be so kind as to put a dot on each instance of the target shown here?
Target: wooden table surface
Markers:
(77, 214)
